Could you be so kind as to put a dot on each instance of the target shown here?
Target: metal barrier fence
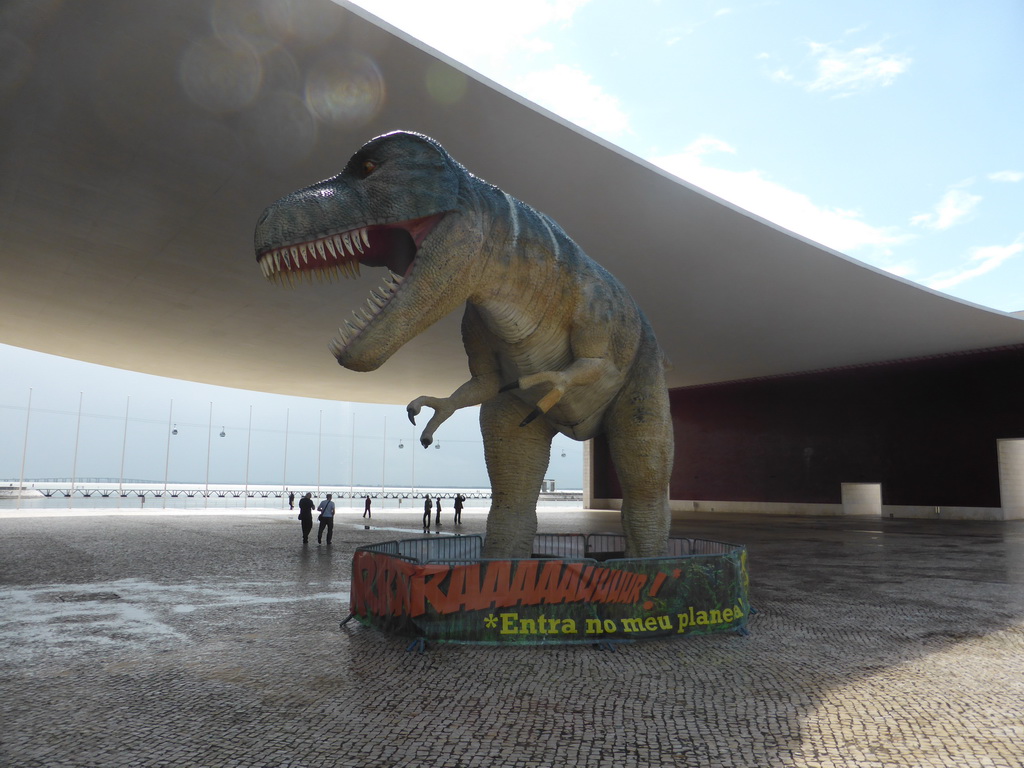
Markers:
(606, 544)
(442, 590)
(562, 545)
(441, 548)
(565, 546)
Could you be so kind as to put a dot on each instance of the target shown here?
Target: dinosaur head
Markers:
(388, 208)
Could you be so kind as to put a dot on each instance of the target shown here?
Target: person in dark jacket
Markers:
(459, 498)
(438, 519)
(427, 509)
(306, 516)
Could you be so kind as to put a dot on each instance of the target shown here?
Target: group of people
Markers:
(326, 510)
(326, 516)
(435, 507)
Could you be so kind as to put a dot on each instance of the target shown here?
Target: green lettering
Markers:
(594, 627)
(508, 623)
(650, 624)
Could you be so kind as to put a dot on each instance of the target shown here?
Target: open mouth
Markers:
(341, 254)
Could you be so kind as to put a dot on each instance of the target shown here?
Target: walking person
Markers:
(427, 509)
(306, 516)
(438, 520)
(326, 519)
(366, 508)
(459, 498)
(291, 500)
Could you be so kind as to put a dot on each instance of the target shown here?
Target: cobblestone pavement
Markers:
(173, 640)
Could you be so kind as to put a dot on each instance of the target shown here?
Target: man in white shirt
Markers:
(326, 519)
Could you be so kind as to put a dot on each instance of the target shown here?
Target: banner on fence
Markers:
(551, 600)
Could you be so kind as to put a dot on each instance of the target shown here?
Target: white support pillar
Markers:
(1010, 454)
(862, 499)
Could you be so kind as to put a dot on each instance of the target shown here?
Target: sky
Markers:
(887, 130)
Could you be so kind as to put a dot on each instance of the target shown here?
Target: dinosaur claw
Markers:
(412, 417)
(510, 386)
(533, 415)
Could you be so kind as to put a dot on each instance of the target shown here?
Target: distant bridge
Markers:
(58, 489)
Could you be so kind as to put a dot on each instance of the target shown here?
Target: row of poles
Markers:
(172, 430)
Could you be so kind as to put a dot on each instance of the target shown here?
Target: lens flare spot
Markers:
(445, 84)
(345, 89)
(221, 74)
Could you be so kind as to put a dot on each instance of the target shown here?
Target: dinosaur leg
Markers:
(517, 458)
(639, 430)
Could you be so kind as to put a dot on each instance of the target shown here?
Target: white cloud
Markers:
(494, 38)
(572, 94)
(954, 206)
(982, 260)
(844, 72)
(1008, 176)
(843, 230)
(479, 34)
(854, 70)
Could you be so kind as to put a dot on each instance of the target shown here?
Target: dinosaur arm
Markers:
(590, 342)
(484, 384)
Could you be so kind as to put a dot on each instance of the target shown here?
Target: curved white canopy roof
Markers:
(142, 140)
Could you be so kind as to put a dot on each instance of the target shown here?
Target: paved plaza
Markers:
(213, 640)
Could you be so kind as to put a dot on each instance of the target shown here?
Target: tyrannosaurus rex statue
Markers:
(555, 343)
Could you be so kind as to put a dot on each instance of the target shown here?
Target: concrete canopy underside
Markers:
(142, 141)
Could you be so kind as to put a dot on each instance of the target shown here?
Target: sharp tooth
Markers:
(338, 246)
(355, 269)
(305, 253)
(368, 316)
(348, 243)
(330, 247)
(379, 300)
(277, 260)
(397, 278)
(351, 327)
(295, 256)
(360, 321)
(365, 237)
(357, 240)
(320, 249)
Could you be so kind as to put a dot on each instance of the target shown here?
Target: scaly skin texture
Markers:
(555, 343)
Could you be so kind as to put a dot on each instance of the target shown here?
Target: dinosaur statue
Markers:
(555, 342)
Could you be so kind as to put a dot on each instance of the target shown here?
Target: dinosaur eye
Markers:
(369, 167)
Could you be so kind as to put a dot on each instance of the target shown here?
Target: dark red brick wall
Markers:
(926, 429)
